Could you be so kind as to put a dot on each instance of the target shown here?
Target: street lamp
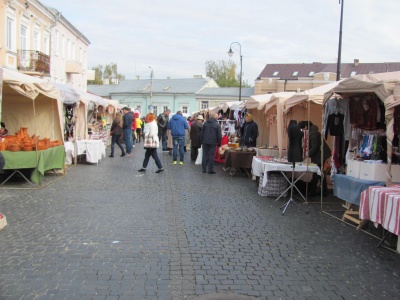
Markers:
(230, 52)
(151, 90)
(340, 44)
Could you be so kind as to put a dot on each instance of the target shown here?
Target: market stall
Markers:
(31, 109)
(360, 112)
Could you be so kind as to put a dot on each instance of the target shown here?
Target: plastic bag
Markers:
(199, 158)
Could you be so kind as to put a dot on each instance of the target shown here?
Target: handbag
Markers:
(149, 142)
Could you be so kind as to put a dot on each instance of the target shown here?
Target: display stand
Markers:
(292, 184)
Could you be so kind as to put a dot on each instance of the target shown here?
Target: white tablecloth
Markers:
(261, 167)
(94, 149)
(269, 152)
(69, 152)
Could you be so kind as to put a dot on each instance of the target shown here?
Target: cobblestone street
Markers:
(108, 232)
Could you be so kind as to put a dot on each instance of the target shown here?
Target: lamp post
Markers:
(230, 52)
(151, 91)
(340, 43)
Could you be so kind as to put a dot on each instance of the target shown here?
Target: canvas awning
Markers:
(31, 102)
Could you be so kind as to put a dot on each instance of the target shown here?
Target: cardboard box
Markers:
(395, 169)
(353, 168)
(375, 172)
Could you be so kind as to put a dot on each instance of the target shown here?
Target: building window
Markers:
(63, 46)
(165, 107)
(69, 50)
(295, 73)
(36, 45)
(311, 73)
(204, 105)
(9, 33)
(155, 110)
(275, 73)
(46, 45)
(23, 38)
(184, 109)
(56, 43)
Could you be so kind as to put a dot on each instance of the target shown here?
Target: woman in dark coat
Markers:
(116, 133)
(314, 152)
(249, 132)
(195, 137)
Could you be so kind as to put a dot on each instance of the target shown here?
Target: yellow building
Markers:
(37, 40)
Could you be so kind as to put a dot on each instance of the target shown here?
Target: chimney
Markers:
(356, 62)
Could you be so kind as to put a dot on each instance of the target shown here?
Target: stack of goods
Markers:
(272, 159)
(21, 141)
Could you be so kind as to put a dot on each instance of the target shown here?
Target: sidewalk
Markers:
(108, 232)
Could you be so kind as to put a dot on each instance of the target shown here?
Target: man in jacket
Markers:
(162, 121)
(178, 126)
(249, 132)
(195, 138)
(211, 137)
(127, 120)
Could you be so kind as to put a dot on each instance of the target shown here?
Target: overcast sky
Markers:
(177, 37)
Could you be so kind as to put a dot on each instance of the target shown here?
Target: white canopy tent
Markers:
(382, 84)
(70, 96)
(30, 102)
(275, 119)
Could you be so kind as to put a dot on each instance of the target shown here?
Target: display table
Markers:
(349, 189)
(95, 150)
(40, 161)
(381, 205)
(269, 152)
(239, 160)
(261, 167)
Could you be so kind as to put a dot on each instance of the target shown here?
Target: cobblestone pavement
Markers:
(108, 232)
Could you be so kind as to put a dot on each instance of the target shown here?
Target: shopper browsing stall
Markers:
(249, 132)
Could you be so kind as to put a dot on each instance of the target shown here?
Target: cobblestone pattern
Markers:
(108, 232)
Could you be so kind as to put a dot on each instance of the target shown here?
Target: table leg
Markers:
(19, 172)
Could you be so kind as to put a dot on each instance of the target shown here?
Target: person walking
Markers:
(178, 126)
(150, 131)
(162, 120)
(127, 128)
(116, 133)
(139, 124)
(211, 137)
(195, 137)
(249, 132)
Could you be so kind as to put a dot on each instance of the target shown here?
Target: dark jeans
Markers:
(194, 151)
(162, 136)
(128, 139)
(208, 157)
(116, 139)
(139, 134)
(153, 153)
(178, 142)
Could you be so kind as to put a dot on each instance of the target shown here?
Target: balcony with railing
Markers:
(33, 62)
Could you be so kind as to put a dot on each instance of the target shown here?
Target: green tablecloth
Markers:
(39, 161)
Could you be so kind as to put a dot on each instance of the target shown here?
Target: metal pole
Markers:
(340, 44)
(230, 52)
(240, 84)
(151, 90)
